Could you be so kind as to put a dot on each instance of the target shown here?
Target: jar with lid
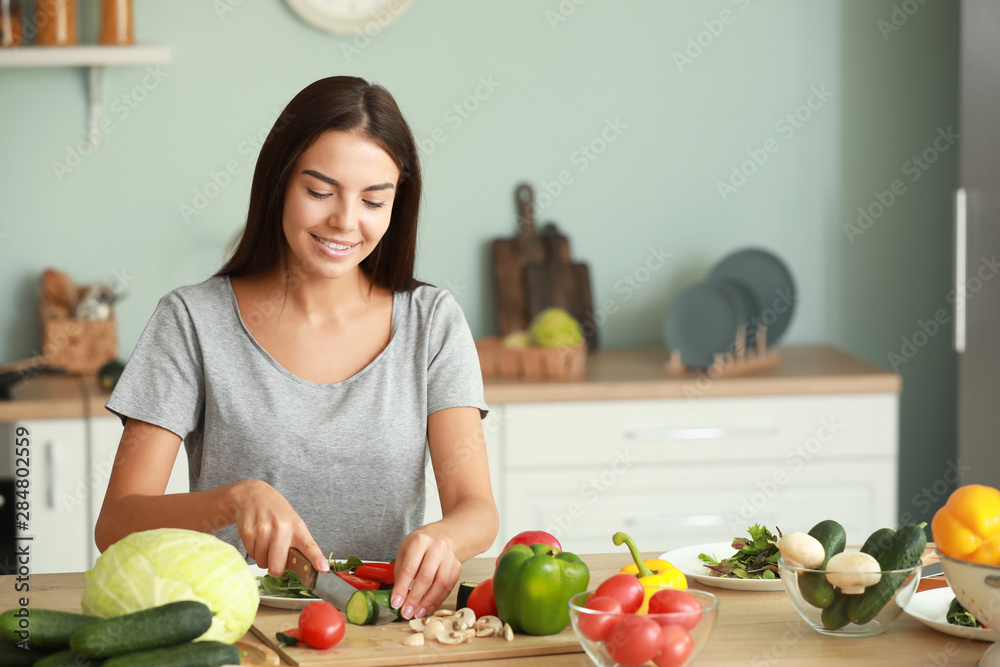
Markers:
(56, 21)
(116, 22)
(10, 24)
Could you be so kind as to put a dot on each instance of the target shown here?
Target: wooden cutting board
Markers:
(369, 646)
(510, 257)
(558, 282)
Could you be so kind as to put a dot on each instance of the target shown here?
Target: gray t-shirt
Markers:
(349, 457)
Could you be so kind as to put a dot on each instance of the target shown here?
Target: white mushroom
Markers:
(508, 632)
(418, 624)
(416, 639)
(443, 612)
(464, 618)
(455, 636)
(487, 626)
(434, 627)
(853, 571)
(801, 550)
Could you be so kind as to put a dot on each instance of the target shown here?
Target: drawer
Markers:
(796, 429)
(665, 507)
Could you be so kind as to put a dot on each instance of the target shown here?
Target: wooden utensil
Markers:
(558, 282)
(510, 257)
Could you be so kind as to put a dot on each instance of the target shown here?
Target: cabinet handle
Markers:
(705, 433)
(961, 239)
(50, 476)
(691, 521)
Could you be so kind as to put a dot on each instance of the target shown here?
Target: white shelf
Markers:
(91, 55)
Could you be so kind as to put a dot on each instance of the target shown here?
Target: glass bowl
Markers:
(697, 625)
(825, 621)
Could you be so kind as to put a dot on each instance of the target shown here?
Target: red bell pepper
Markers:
(384, 573)
(360, 583)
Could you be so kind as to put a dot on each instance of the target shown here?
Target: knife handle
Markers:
(300, 565)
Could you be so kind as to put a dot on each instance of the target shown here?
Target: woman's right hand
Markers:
(268, 526)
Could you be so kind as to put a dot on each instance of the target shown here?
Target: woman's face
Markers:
(338, 203)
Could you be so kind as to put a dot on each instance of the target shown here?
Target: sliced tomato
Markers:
(361, 583)
(384, 573)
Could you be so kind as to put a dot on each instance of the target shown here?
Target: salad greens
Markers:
(756, 557)
(958, 615)
(289, 585)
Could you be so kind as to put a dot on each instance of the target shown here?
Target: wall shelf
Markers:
(95, 58)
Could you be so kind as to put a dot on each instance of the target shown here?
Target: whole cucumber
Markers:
(835, 616)
(877, 542)
(191, 654)
(902, 552)
(166, 625)
(45, 628)
(813, 586)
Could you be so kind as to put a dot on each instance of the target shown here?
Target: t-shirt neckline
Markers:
(393, 327)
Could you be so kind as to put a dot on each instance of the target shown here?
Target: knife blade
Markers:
(328, 586)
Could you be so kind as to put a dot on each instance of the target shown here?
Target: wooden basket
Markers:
(531, 363)
(80, 347)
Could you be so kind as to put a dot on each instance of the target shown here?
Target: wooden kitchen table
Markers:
(753, 629)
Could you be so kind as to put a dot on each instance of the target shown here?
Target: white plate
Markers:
(686, 560)
(930, 607)
(278, 602)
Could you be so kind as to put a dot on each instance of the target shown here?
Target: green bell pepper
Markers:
(532, 587)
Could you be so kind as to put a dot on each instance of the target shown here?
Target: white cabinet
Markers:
(678, 472)
(55, 528)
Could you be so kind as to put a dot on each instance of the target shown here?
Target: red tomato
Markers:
(634, 641)
(530, 537)
(676, 646)
(481, 599)
(626, 589)
(598, 626)
(670, 600)
(321, 624)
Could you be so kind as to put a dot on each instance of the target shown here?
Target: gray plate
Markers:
(702, 322)
(769, 280)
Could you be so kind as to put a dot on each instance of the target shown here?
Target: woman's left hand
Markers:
(427, 569)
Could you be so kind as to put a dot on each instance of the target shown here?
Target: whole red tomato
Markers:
(321, 625)
(626, 589)
(676, 646)
(481, 600)
(598, 626)
(683, 604)
(530, 537)
(634, 641)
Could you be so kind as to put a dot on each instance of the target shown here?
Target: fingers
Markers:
(311, 550)
(426, 572)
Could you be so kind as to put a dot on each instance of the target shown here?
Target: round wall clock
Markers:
(346, 17)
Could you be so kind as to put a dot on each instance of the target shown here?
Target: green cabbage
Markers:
(554, 327)
(154, 567)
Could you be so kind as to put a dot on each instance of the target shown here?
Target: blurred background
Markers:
(633, 121)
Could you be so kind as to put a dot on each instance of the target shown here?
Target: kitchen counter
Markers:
(752, 629)
(611, 375)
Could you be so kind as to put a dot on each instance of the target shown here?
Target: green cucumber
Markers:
(191, 654)
(364, 607)
(12, 656)
(902, 552)
(813, 586)
(158, 627)
(464, 591)
(835, 616)
(877, 542)
(68, 659)
(44, 629)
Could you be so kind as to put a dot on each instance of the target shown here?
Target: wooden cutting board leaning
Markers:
(510, 256)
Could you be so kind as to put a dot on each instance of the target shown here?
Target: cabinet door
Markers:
(493, 430)
(105, 434)
(55, 520)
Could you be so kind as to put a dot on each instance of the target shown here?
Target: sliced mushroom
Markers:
(434, 627)
(455, 636)
(464, 618)
(487, 626)
(508, 632)
(444, 612)
(416, 639)
(418, 624)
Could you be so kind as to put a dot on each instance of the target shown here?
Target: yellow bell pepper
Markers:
(968, 526)
(653, 573)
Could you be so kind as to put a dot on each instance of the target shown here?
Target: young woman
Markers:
(310, 375)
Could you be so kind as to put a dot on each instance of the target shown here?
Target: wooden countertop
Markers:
(640, 374)
(611, 375)
(752, 629)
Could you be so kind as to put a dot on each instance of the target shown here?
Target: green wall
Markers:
(667, 120)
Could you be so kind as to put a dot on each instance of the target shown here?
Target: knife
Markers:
(328, 586)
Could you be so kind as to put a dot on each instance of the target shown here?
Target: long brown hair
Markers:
(342, 103)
